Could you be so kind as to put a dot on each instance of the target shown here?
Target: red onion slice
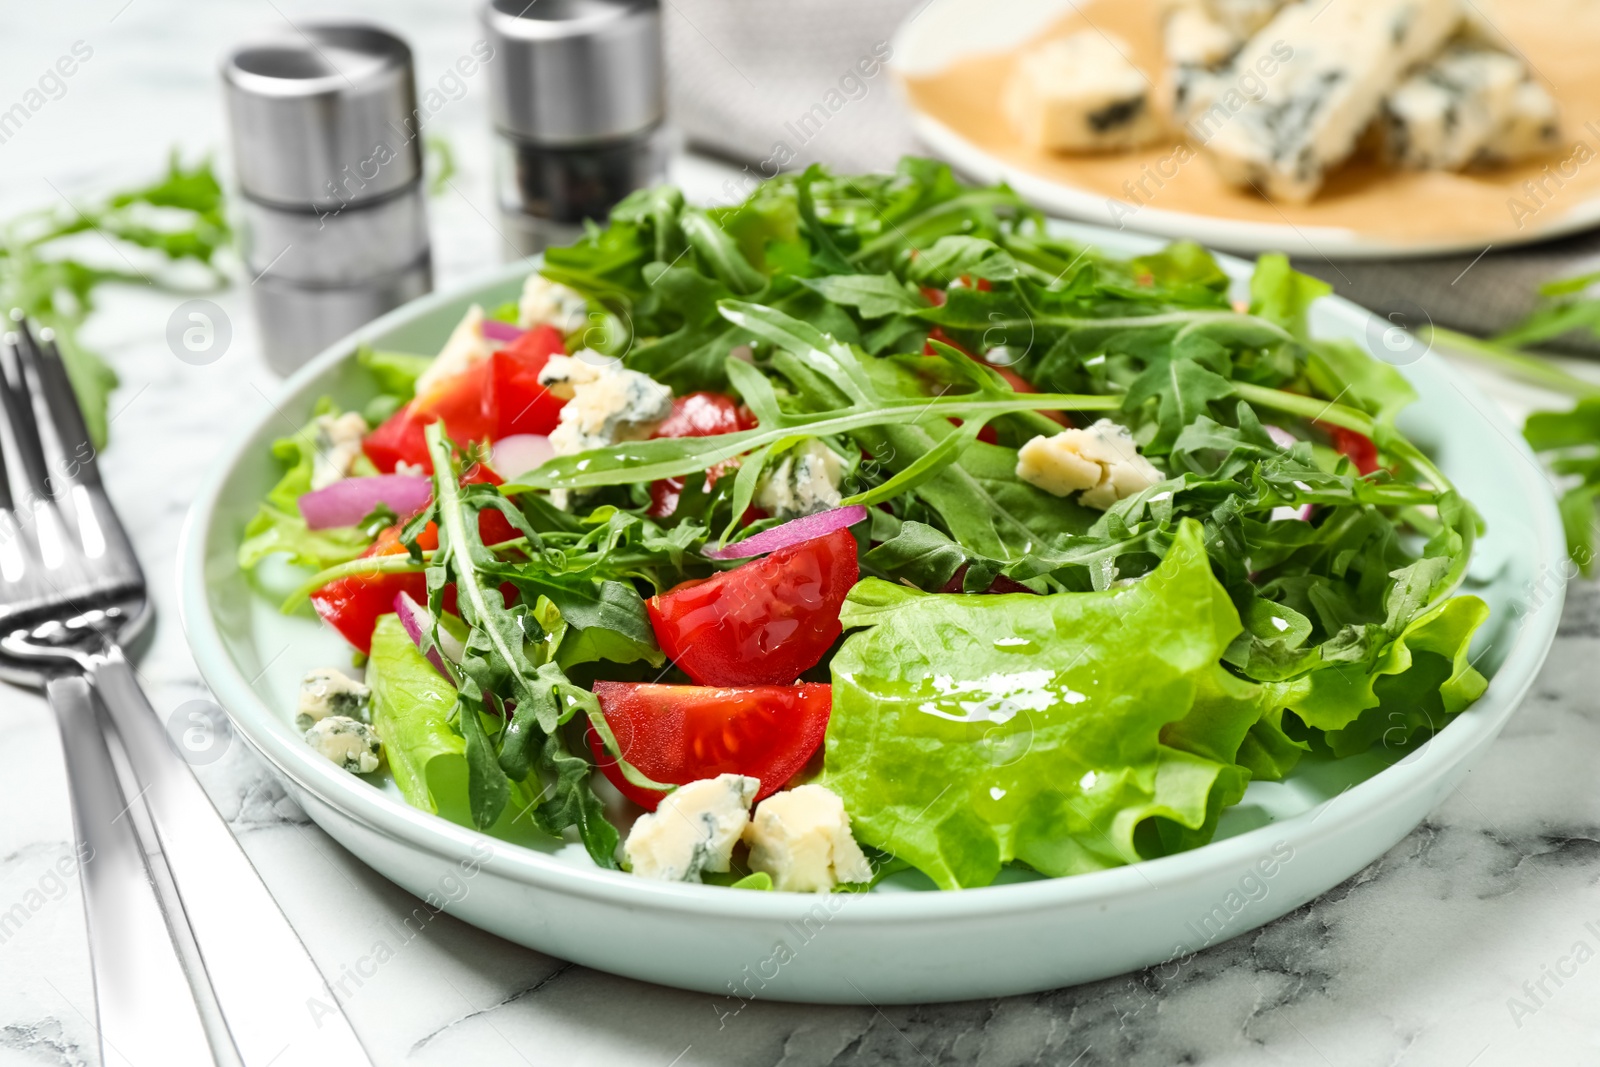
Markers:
(495, 330)
(519, 454)
(1281, 437)
(347, 502)
(807, 528)
(418, 623)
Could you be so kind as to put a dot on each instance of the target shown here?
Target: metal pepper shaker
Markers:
(578, 103)
(327, 154)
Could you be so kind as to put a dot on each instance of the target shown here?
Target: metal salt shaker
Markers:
(578, 103)
(327, 155)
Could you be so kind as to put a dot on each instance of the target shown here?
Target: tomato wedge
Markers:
(676, 734)
(352, 605)
(696, 415)
(495, 398)
(762, 623)
(1358, 446)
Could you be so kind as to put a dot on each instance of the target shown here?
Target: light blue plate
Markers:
(1286, 843)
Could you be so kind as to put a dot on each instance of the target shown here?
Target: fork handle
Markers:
(279, 1009)
(147, 1010)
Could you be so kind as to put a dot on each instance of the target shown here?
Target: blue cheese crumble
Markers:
(329, 691)
(605, 404)
(801, 838)
(804, 482)
(693, 830)
(336, 446)
(351, 744)
(548, 303)
(1102, 463)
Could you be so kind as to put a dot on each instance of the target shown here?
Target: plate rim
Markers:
(1240, 236)
(392, 817)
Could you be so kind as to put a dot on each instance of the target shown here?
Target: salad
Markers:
(864, 526)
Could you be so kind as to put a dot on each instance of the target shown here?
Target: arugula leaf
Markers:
(179, 218)
(1345, 370)
(1571, 441)
(1564, 310)
(1284, 295)
(872, 295)
(863, 406)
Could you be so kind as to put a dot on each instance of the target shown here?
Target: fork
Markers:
(193, 962)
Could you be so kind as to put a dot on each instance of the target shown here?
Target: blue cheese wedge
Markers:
(548, 303)
(1242, 18)
(693, 830)
(1533, 128)
(466, 346)
(352, 744)
(801, 838)
(1102, 463)
(1333, 66)
(1446, 115)
(1199, 48)
(336, 447)
(804, 482)
(329, 691)
(1081, 94)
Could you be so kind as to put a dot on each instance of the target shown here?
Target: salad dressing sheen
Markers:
(1557, 37)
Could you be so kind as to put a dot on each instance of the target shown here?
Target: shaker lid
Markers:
(324, 117)
(569, 72)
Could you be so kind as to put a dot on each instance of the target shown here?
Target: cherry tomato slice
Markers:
(697, 415)
(762, 623)
(495, 398)
(676, 734)
(1017, 382)
(1358, 446)
(352, 605)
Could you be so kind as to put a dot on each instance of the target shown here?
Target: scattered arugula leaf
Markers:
(179, 217)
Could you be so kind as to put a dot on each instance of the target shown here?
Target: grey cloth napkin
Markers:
(777, 86)
(759, 81)
(1482, 295)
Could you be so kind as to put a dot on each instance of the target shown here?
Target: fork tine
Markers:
(47, 424)
(26, 451)
(46, 378)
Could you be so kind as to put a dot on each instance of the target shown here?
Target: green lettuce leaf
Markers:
(412, 710)
(277, 526)
(1417, 683)
(971, 731)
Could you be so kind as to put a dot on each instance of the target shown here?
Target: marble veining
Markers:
(1440, 952)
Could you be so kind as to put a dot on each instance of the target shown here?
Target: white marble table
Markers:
(1412, 961)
